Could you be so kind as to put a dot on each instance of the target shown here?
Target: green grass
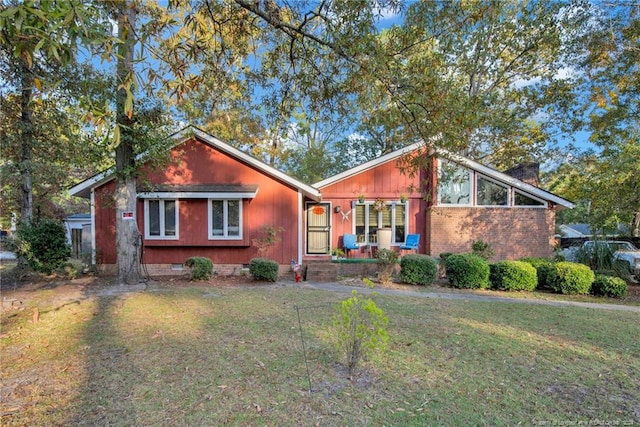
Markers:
(234, 356)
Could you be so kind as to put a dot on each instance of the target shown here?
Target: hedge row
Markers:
(472, 272)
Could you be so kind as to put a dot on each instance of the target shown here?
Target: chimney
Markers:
(529, 173)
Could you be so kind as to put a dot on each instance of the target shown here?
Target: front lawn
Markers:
(234, 356)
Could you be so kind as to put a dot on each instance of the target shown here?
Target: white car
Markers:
(624, 251)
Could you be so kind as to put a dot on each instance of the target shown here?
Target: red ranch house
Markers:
(215, 201)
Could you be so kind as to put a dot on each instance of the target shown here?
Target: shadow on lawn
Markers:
(106, 396)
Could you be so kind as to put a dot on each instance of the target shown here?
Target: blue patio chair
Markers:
(349, 243)
(412, 243)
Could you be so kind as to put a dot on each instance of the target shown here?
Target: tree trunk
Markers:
(26, 144)
(128, 238)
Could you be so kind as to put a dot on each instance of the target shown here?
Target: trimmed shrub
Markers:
(201, 267)
(387, 260)
(482, 249)
(513, 276)
(571, 278)
(607, 286)
(264, 269)
(467, 271)
(43, 245)
(445, 255)
(543, 268)
(418, 269)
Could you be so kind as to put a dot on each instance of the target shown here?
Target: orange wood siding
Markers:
(194, 162)
(385, 181)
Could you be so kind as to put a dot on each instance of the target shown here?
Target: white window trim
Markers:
(162, 236)
(475, 192)
(473, 202)
(544, 204)
(226, 219)
(367, 212)
(472, 187)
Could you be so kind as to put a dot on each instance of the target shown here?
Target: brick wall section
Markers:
(512, 232)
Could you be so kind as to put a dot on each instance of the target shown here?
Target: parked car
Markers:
(622, 251)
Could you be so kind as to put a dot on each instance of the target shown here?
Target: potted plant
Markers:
(403, 198)
(337, 253)
(361, 198)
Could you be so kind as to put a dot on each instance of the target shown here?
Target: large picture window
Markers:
(368, 220)
(225, 219)
(454, 184)
(461, 186)
(525, 200)
(490, 193)
(161, 219)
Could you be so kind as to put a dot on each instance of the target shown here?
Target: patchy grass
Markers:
(234, 356)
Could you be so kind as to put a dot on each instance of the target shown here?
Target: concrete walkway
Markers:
(336, 287)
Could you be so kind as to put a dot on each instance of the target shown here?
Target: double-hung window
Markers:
(161, 219)
(225, 219)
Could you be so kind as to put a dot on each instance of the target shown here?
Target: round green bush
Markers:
(543, 268)
(201, 267)
(467, 271)
(607, 286)
(571, 278)
(43, 244)
(264, 269)
(513, 276)
(418, 269)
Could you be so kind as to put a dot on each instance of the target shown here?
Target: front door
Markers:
(318, 228)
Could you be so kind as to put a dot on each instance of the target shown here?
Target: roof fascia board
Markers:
(86, 185)
(197, 195)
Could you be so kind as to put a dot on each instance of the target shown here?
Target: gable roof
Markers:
(83, 189)
(464, 161)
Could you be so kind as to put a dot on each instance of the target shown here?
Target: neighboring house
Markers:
(575, 230)
(215, 201)
(78, 231)
(584, 231)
